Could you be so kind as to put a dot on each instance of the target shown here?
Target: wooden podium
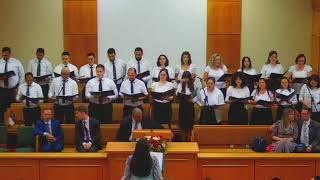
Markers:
(180, 160)
(164, 133)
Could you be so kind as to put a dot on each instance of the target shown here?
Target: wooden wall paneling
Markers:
(181, 166)
(79, 46)
(315, 48)
(19, 169)
(66, 169)
(284, 169)
(316, 5)
(226, 169)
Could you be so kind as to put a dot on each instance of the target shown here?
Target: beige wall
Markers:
(281, 25)
(27, 25)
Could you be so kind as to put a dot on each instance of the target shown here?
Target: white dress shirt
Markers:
(85, 71)
(286, 92)
(214, 98)
(300, 73)
(156, 71)
(107, 85)
(157, 87)
(72, 68)
(216, 74)
(250, 71)
(71, 89)
(192, 69)
(34, 90)
(237, 92)
(138, 126)
(267, 69)
(121, 70)
(45, 68)
(304, 136)
(143, 67)
(138, 87)
(306, 93)
(266, 96)
(13, 65)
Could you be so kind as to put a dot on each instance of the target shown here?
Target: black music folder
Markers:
(142, 75)
(224, 77)
(161, 95)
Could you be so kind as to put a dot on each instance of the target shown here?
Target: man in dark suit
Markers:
(87, 131)
(135, 122)
(50, 133)
(309, 132)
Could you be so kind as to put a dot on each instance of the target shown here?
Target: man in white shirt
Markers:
(140, 64)
(130, 87)
(66, 63)
(87, 72)
(9, 84)
(309, 132)
(100, 106)
(31, 95)
(65, 91)
(116, 68)
(41, 69)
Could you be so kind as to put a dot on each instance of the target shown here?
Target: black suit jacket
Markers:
(314, 132)
(94, 126)
(125, 129)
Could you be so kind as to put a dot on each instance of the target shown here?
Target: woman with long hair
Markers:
(162, 63)
(186, 65)
(262, 100)
(236, 97)
(141, 165)
(247, 69)
(184, 93)
(285, 132)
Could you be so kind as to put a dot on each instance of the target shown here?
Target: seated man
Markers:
(50, 132)
(136, 121)
(87, 131)
(309, 132)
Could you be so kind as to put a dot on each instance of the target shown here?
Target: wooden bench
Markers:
(227, 136)
(108, 134)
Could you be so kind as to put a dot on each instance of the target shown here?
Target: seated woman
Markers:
(285, 132)
(141, 165)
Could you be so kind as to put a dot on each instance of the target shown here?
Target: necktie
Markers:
(100, 89)
(6, 81)
(28, 94)
(132, 91)
(39, 68)
(86, 132)
(48, 128)
(91, 71)
(63, 89)
(139, 67)
(114, 71)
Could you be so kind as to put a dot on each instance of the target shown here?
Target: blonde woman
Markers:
(216, 69)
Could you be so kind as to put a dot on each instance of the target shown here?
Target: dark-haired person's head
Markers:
(100, 70)
(313, 81)
(275, 178)
(237, 80)
(111, 54)
(141, 161)
(186, 58)
(81, 112)
(28, 77)
(246, 63)
(6, 53)
(162, 61)
(65, 57)
(273, 57)
(40, 53)
(301, 60)
(163, 75)
(316, 178)
(305, 114)
(91, 57)
(138, 53)
(187, 79)
(284, 83)
(262, 84)
(210, 84)
(132, 74)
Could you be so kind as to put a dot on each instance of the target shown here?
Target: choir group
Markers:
(132, 82)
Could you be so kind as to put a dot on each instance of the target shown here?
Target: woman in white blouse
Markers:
(162, 63)
(186, 65)
(272, 66)
(161, 107)
(310, 96)
(236, 94)
(285, 97)
(262, 99)
(216, 69)
(210, 99)
(246, 68)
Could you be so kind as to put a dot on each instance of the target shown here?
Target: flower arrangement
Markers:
(156, 143)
